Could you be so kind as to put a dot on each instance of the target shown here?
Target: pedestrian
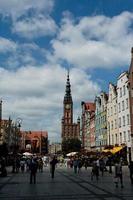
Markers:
(22, 165)
(102, 166)
(3, 171)
(53, 163)
(79, 164)
(95, 170)
(131, 171)
(118, 174)
(75, 165)
(33, 170)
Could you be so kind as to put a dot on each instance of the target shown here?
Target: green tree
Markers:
(71, 145)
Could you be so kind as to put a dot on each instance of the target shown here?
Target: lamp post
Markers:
(17, 132)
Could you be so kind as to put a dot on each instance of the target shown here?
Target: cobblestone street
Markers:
(66, 185)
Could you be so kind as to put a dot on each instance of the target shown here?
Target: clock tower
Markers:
(69, 129)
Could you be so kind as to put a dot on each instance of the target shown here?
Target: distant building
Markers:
(88, 125)
(34, 141)
(69, 129)
(54, 148)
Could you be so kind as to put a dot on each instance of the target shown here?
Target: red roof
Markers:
(90, 106)
(34, 134)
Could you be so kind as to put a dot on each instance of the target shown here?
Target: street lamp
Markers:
(17, 127)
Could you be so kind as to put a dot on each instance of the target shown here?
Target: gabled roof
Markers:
(34, 134)
(89, 106)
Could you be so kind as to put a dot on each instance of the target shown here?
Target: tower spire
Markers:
(68, 87)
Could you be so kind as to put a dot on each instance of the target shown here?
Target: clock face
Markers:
(67, 106)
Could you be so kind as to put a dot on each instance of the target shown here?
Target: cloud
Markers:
(7, 45)
(15, 54)
(93, 42)
(30, 18)
(36, 95)
(15, 9)
(35, 27)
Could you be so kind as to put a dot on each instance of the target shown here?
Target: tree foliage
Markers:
(71, 145)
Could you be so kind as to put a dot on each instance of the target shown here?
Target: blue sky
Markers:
(40, 40)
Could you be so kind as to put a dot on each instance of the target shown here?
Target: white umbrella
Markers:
(72, 154)
(27, 154)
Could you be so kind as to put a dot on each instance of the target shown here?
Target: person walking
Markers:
(75, 165)
(118, 174)
(95, 170)
(33, 170)
(53, 163)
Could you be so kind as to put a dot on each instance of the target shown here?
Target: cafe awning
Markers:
(114, 149)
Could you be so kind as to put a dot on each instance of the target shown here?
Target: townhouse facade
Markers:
(124, 128)
(112, 118)
(87, 130)
(101, 120)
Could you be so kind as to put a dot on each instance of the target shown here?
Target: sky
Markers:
(41, 39)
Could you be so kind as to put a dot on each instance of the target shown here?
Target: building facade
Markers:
(34, 141)
(130, 85)
(69, 129)
(88, 110)
(101, 120)
(124, 128)
(112, 116)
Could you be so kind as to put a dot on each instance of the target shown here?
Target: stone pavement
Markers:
(65, 186)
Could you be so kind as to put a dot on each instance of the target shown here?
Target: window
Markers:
(123, 120)
(111, 111)
(111, 97)
(116, 139)
(129, 136)
(120, 92)
(115, 123)
(114, 109)
(124, 90)
(111, 125)
(127, 103)
(119, 107)
(123, 107)
(112, 139)
(119, 122)
(128, 119)
(120, 138)
(124, 136)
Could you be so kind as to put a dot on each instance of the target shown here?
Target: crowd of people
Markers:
(36, 164)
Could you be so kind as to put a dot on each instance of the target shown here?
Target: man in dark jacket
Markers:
(33, 170)
(53, 163)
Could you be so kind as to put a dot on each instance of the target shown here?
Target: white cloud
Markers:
(7, 45)
(35, 27)
(16, 9)
(94, 42)
(36, 95)
(30, 18)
